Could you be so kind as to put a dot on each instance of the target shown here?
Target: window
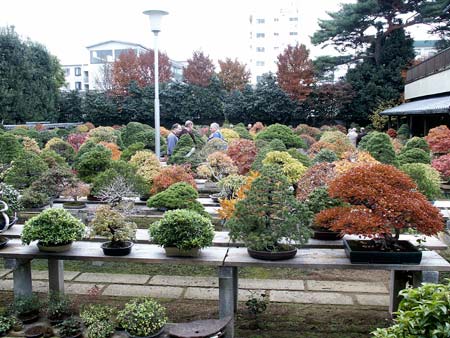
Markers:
(77, 71)
(259, 78)
(118, 52)
(293, 33)
(260, 49)
(293, 19)
(66, 71)
(260, 35)
(260, 63)
(276, 34)
(260, 21)
(101, 56)
(86, 87)
(77, 85)
(276, 19)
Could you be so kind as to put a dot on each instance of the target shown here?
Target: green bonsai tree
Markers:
(325, 155)
(417, 142)
(380, 147)
(132, 149)
(274, 145)
(10, 148)
(426, 177)
(25, 170)
(270, 214)
(413, 155)
(283, 133)
(93, 162)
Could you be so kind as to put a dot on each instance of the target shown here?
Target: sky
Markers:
(219, 28)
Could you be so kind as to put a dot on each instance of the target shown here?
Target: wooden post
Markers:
(227, 297)
(424, 125)
(389, 121)
(56, 275)
(22, 278)
(410, 125)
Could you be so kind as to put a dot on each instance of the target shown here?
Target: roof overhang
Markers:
(435, 105)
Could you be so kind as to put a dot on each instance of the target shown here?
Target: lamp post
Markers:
(155, 17)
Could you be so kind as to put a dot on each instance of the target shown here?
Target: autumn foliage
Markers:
(243, 153)
(382, 201)
(199, 70)
(114, 149)
(442, 164)
(233, 74)
(296, 72)
(170, 175)
(439, 139)
(76, 140)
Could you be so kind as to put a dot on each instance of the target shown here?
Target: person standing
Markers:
(215, 131)
(352, 136)
(172, 138)
(188, 129)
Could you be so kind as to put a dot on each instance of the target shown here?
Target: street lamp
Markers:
(155, 17)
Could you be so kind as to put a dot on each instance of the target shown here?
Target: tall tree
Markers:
(70, 107)
(131, 66)
(233, 74)
(199, 70)
(295, 72)
(357, 26)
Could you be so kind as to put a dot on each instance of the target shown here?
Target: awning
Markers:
(435, 105)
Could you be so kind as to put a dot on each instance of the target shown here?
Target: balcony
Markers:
(435, 64)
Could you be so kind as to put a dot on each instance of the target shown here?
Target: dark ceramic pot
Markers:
(117, 251)
(54, 248)
(272, 256)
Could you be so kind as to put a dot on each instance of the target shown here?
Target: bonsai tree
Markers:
(62, 148)
(270, 214)
(113, 225)
(382, 201)
(426, 177)
(438, 139)
(26, 307)
(170, 175)
(58, 307)
(92, 162)
(230, 185)
(76, 190)
(413, 155)
(442, 164)
(52, 227)
(379, 146)
(25, 169)
(220, 165)
(10, 148)
(142, 317)
(290, 167)
(184, 229)
(33, 199)
(243, 153)
(283, 133)
(131, 150)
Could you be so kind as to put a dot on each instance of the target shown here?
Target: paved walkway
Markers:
(206, 288)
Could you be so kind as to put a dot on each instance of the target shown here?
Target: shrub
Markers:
(317, 176)
(309, 140)
(243, 153)
(256, 128)
(93, 162)
(33, 199)
(105, 134)
(170, 175)
(352, 160)
(25, 170)
(290, 167)
(52, 159)
(179, 195)
(269, 214)
(325, 155)
(382, 201)
(338, 148)
(216, 144)
(283, 133)
(307, 130)
(77, 140)
(59, 306)
(182, 148)
(10, 148)
(53, 181)
(70, 328)
(6, 323)
(426, 177)
(242, 132)
(76, 190)
(403, 132)
(439, 139)
(442, 164)
(115, 152)
(132, 149)
(184, 229)
(87, 146)
(100, 329)
(52, 227)
(417, 142)
(339, 140)
(392, 133)
(130, 133)
(220, 166)
(29, 144)
(274, 145)
(230, 185)
(229, 134)
(413, 155)
(380, 147)
(25, 304)
(62, 148)
(92, 313)
(423, 312)
(320, 199)
(299, 156)
(147, 165)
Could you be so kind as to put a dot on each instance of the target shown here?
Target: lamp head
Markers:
(155, 17)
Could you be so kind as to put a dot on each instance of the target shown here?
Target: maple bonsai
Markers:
(382, 201)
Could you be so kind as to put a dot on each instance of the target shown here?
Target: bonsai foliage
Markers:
(182, 148)
(230, 185)
(25, 304)
(392, 133)
(30, 144)
(115, 191)
(417, 142)
(274, 145)
(170, 175)
(6, 323)
(256, 128)
(92, 313)
(100, 329)
(269, 214)
(76, 190)
(423, 312)
(182, 228)
(180, 195)
(220, 166)
(299, 156)
(130, 133)
(147, 164)
(382, 202)
(113, 225)
(379, 146)
(142, 317)
(76, 140)
(62, 148)
(10, 148)
(442, 164)
(53, 181)
(105, 134)
(58, 306)
(25, 170)
(131, 150)
(439, 139)
(317, 176)
(403, 132)
(304, 129)
(93, 162)
(70, 327)
(33, 199)
(243, 153)
(116, 153)
(413, 155)
(354, 159)
(52, 227)
(290, 167)
(325, 155)
(242, 132)
(426, 177)
(283, 133)
(229, 134)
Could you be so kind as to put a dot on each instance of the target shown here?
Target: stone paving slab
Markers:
(213, 294)
(79, 288)
(143, 290)
(185, 281)
(333, 298)
(38, 286)
(376, 287)
(379, 300)
(4, 272)
(43, 275)
(112, 278)
(274, 284)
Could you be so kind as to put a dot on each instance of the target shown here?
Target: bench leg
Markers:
(55, 275)
(397, 283)
(420, 277)
(235, 287)
(227, 295)
(22, 278)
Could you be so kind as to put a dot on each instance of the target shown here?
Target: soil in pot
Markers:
(283, 252)
(54, 248)
(3, 241)
(74, 205)
(369, 251)
(109, 250)
(172, 251)
(35, 331)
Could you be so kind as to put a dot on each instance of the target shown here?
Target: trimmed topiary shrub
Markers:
(414, 155)
(243, 132)
(403, 132)
(93, 162)
(380, 147)
(62, 148)
(439, 139)
(130, 133)
(442, 164)
(274, 145)
(182, 148)
(283, 133)
(170, 175)
(25, 169)
(325, 155)
(105, 134)
(229, 134)
(417, 142)
(131, 150)
(146, 163)
(426, 177)
(299, 156)
(10, 148)
(290, 167)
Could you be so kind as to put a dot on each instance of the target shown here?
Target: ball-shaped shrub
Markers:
(438, 139)
(130, 132)
(426, 177)
(229, 134)
(290, 167)
(131, 150)
(115, 151)
(62, 148)
(184, 229)
(10, 148)
(170, 175)
(105, 134)
(380, 147)
(325, 155)
(52, 227)
(417, 142)
(403, 132)
(442, 164)
(304, 129)
(274, 145)
(243, 153)
(283, 133)
(242, 132)
(414, 155)
(93, 162)
(299, 156)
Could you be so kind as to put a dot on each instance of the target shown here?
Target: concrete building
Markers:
(270, 32)
(90, 76)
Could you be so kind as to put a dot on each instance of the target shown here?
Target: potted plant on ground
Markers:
(381, 202)
(54, 229)
(113, 225)
(58, 308)
(269, 220)
(76, 190)
(182, 232)
(100, 320)
(100, 329)
(37, 331)
(70, 328)
(143, 317)
(26, 308)
(6, 323)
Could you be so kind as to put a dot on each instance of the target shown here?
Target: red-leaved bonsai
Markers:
(382, 201)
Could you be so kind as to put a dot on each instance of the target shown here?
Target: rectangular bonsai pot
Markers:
(358, 254)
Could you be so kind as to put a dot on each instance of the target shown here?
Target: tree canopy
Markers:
(199, 69)
(233, 74)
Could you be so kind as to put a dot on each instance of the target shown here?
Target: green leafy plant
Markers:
(92, 162)
(52, 227)
(380, 147)
(142, 317)
(24, 305)
(70, 327)
(6, 323)
(417, 143)
(33, 199)
(100, 329)
(426, 177)
(230, 185)
(131, 150)
(423, 312)
(10, 148)
(62, 148)
(58, 306)
(25, 169)
(184, 229)
(290, 167)
(325, 155)
(283, 133)
(92, 313)
(269, 214)
(257, 304)
(413, 155)
(274, 145)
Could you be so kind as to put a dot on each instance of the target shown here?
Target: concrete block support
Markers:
(227, 296)
(22, 278)
(56, 275)
(397, 283)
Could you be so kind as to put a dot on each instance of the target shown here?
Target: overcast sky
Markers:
(217, 27)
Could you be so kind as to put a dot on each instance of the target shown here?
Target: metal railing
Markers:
(435, 64)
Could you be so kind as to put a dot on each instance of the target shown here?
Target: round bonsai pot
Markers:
(28, 317)
(35, 331)
(109, 250)
(54, 248)
(157, 334)
(74, 205)
(273, 256)
(3, 241)
(172, 251)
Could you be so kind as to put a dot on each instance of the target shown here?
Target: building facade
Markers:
(91, 76)
(270, 32)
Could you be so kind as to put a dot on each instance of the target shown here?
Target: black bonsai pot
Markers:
(115, 250)
(287, 252)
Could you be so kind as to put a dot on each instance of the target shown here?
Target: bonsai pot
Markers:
(368, 252)
(74, 205)
(157, 334)
(92, 198)
(35, 331)
(109, 250)
(326, 235)
(3, 241)
(289, 253)
(28, 317)
(172, 251)
(54, 248)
